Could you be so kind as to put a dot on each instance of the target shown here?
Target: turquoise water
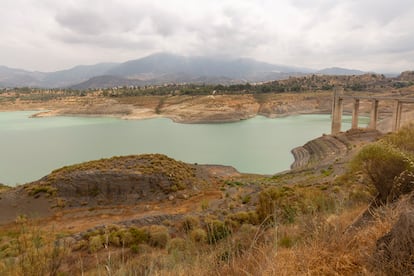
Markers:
(32, 147)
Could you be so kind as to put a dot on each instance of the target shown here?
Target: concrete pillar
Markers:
(355, 114)
(374, 115)
(337, 111)
(396, 116)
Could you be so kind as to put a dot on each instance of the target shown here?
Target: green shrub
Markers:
(380, 164)
(125, 237)
(139, 235)
(176, 244)
(244, 217)
(189, 223)
(403, 139)
(158, 236)
(284, 204)
(272, 202)
(140, 248)
(34, 190)
(216, 230)
(114, 239)
(95, 243)
(198, 235)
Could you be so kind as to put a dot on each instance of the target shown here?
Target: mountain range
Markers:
(158, 69)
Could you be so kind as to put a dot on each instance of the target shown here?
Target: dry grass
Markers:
(316, 244)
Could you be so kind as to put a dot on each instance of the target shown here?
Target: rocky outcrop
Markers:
(122, 180)
(406, 76)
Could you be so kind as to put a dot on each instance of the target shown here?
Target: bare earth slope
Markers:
(126, 181)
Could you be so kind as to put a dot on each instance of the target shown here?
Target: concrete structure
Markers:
(337, 108)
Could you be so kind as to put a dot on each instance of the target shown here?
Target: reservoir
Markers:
(30, 148)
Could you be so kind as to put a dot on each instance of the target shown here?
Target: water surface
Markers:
(32, 147)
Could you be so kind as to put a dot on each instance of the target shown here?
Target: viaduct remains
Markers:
(337, 108)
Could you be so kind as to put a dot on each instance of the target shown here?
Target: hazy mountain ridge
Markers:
(340, 71)
(158, 69)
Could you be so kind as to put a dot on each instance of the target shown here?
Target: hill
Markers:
(81, 73)
(159, 68)
(151, 214)
(337, 71)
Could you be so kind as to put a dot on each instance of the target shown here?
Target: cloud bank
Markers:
(365, 34)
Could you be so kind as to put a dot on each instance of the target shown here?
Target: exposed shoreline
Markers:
(181, 109)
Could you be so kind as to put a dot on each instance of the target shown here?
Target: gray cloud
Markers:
(366, 34)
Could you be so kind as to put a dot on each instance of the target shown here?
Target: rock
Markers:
(171, 197)
(407, 76)
(182, 196)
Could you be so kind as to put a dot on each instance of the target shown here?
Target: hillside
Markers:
(340, 71)
(154, 215)
(159, 68)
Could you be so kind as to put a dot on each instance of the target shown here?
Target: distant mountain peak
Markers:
(159, 68)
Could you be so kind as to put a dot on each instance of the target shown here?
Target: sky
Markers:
(49, 35)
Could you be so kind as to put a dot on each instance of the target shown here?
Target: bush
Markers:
(198, 235)
(380, 164)
(139, 235)
(125, 237)
(272, 202)
(286, 203)
(95, 243)
(189, 223)
(158, 236)
(216, 230)
(140, 248)
(176, 244)
(403, 139)
(244, 217)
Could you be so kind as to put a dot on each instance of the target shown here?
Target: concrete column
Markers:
(337, 111)
(374, 115)
(396, 116)
(355, 114)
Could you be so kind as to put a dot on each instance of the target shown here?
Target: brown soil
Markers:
(183, 109)
(76, 198)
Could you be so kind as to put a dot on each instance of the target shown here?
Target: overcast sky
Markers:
(47, 35)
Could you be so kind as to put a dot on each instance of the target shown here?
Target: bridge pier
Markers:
(337, 107)
(355, 114)
(374, 115)
(396, 116)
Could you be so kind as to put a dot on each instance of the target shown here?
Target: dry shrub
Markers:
(198, 235)
(96, 243)
(244, 217)
(36, 252)
(381, 163)
(403, 139)
(176, 244)
(216, 230)
(285, 204)
(326, 248)
(158, 236)
(395, 250)
(189, 223)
